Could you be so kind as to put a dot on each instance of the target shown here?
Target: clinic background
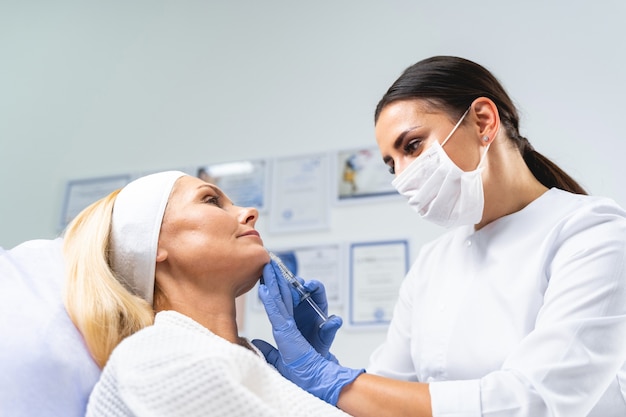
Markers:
(100, 88)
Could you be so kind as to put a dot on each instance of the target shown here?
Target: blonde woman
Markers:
(153, 274)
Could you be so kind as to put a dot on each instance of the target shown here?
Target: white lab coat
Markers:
(178, 368)
(523, 318)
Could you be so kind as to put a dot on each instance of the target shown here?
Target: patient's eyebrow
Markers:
(212, 187)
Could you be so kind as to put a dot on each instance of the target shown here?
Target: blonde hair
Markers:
(102, 309)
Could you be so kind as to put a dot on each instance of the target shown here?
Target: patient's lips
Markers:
(250, 232)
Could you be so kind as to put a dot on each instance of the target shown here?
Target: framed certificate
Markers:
(82, 192)
(300, 198)
(376, 272)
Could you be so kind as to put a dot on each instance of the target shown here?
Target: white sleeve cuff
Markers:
(455, 398)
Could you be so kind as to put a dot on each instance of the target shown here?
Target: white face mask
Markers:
(440, 191)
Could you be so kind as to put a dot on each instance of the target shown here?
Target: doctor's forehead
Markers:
(409, 109)
(397, 118)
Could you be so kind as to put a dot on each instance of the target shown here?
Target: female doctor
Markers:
(518, 310)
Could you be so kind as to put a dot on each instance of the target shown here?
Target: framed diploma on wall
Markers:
(376, 272)
(80, 193)
(300, 198)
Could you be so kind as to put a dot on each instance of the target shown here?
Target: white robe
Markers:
(179, 368)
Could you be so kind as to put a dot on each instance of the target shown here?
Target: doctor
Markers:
(519, 309)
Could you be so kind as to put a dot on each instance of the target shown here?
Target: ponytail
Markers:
(547, 172)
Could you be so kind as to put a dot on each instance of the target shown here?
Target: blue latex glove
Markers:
(296, 359)
(319, 335)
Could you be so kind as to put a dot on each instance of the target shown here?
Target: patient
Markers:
(174, 245)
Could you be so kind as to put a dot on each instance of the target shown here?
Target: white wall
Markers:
(96, 88)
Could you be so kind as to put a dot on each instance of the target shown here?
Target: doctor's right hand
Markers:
(320, 335)
(295, 358)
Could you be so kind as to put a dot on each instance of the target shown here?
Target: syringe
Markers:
(304, 294)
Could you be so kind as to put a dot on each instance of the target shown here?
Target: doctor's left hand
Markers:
(320, 335)
(295, 358)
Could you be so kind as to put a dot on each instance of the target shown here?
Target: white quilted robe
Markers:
(179, 368)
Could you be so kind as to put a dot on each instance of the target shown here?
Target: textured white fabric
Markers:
(179, 368)
(523, 318)
(45, 367)
(135, 227)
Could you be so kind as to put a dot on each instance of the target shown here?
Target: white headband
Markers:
(137, 216)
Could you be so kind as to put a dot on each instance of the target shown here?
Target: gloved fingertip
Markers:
(312, 285)
(329, 329)
(336, 321)
(263, 292)
(266, 349)
(272, 357)
(275, 267)
(258, 343)
(333, 322)
(269, 273)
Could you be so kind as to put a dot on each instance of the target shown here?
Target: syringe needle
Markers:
(304, 294)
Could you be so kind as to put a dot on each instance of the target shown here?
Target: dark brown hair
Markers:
(452, 84)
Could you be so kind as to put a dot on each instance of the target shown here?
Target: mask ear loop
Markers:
(482, 157)
(455, 126)
(486, 139)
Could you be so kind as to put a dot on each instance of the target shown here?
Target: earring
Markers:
(485, 138)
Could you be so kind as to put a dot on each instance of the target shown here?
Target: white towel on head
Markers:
(137, 215)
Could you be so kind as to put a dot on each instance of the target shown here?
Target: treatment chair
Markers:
(45, 368)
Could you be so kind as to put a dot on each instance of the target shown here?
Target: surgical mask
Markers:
(439, 190)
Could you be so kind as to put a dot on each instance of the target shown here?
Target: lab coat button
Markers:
(430, 379)
(468, 243)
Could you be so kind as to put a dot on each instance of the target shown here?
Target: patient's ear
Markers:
(161, 255)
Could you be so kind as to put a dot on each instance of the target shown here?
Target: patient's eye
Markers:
(213, 199)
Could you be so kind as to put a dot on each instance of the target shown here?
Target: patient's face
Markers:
(210, 240)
